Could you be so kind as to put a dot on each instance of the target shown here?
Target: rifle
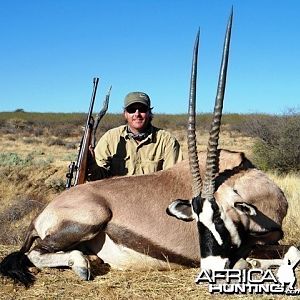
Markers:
(88, 140)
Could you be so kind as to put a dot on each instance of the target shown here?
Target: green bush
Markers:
(56, 184)
(278, 144)
(13, 159)
(10, 159)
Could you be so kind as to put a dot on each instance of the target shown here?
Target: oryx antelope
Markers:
(124, 221)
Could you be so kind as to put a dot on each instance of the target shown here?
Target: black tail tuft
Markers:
(16, 266)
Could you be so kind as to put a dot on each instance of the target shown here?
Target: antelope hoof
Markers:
(82, 272)
(242, 264)
(253, 263)
(80, 265)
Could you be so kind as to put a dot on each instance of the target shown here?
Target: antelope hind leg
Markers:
(60, 236)
(74, 259)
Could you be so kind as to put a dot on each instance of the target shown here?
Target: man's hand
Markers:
(92, 152)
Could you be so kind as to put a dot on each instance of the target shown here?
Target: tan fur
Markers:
(132, 210)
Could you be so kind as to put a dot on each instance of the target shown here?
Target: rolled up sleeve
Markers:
(101, 166)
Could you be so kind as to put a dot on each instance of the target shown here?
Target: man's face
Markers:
(137, 116)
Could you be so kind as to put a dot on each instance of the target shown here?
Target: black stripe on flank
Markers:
(68, 236)
(131, 240)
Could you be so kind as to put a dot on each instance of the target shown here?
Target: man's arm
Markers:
(100, 162)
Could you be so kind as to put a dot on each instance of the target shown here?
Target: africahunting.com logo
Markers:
(252, 281)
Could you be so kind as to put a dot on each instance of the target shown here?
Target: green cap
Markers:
(137, 97)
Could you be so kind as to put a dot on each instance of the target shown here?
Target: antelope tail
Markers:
(16, 265)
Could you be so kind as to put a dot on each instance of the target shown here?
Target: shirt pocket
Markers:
(152, 164)
(119, 165)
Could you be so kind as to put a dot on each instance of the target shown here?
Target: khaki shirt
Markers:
(117, 153)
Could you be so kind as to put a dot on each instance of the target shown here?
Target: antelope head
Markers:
(218, 236)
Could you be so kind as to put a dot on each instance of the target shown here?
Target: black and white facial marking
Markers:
(220, 237)
(218, 234)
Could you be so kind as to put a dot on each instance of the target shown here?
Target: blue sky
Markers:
(52, 49)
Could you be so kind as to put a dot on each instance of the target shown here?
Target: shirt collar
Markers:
(148, 134)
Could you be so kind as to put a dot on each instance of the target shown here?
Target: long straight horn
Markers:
(212, 149)
(192, 143)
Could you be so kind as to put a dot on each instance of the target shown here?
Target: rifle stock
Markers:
(82, 160)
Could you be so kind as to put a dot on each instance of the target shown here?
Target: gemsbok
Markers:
(123, 220)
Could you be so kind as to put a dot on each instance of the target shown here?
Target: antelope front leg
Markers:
(73, 259)
(264, 264)
(292, 256)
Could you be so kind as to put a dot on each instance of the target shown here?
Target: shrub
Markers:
(10, 231)
(56, 184)
(18, 110)
(278, 144)
(56, 142)
(13, 159)
(29, 140)
(10, 159)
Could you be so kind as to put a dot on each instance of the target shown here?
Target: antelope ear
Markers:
(181, 209)
(245, 208)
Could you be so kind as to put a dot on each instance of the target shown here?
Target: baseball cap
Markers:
(137, 97)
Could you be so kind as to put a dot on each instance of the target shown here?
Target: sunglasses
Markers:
(141, 108)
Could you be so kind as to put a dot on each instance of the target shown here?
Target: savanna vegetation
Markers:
(36, 149)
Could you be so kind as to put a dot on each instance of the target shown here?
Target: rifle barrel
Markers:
(81, 163)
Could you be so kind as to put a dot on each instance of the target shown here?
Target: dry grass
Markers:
(20, 185)
(228, 140)
(291, 188)
(63, 284)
